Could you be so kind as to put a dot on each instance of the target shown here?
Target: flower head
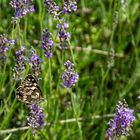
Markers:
(20, 63)
(51, 7)
(36, 119)
(35, 62)
(70, 77)
(47, 43)
(69, 6)
(5, 44)
(22, 7)
(63, 34)
(122, 122)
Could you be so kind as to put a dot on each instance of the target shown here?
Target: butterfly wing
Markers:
(29, 91)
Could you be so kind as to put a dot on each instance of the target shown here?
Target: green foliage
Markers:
(100, 87)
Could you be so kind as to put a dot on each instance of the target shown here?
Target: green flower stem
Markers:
(50, 74)
(76, 112)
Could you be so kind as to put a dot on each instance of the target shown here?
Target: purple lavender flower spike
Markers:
(47, 43)
(22, 8)
(69, 6)
(20, 63)
(122, 122)
(63, 35)
(70, 77)
(51, 7)
(5, 44)
(35, 62)
(36, 119)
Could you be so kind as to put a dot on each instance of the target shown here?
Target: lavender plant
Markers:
(64, 36)
(47, 43)
(22, 7)
(51, 7)
(29, 89)
(36, 119)
(62, 26)
(5, 44)
(70, 77)
(20, 63)
(69, 6)
(122, 122)
(35, 62)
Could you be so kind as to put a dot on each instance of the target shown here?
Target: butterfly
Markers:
(29, 91)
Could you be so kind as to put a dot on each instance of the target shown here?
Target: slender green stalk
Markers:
(3, 77)
(25, 29)
(7, 118)
(72, 120)
(19, 34)
(8, 98)
(75, 108)
(50, 76)
(71, 52)
(41, 15)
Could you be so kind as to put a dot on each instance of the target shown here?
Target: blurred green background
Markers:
(99, 30)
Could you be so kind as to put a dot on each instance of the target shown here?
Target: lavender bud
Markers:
(11, 42)
(20, 63)
(69, 6)
(63, 34)
(122, 122)
(35, 62)
(5, 44)
(36, 119)
(70, 77)
(31, 8)
(47, 43)
(51, 7)
(21, 8)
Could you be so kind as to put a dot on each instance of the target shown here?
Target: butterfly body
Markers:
(29, 91)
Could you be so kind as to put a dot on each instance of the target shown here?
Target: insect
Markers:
(29, 91)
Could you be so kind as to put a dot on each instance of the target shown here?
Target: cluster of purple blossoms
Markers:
(20, 63)
(35, 62)
(63, 35)
(5, 43)
(36, 119)
(70, 77)
(22, 7)
(47, 43)
(122, 122)
(51, 7)
(69, 6)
